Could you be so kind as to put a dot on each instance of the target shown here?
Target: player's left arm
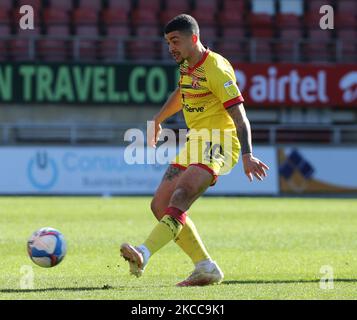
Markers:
(252, 166)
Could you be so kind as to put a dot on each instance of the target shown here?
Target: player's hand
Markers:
(154, 131)
(254, 167)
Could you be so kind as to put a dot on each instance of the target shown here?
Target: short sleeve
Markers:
(223, 84)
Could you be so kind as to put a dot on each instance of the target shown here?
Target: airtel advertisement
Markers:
(297, 85)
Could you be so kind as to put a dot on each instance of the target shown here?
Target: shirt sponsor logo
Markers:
(193, 109)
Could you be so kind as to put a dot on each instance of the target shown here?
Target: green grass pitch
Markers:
(268, 248)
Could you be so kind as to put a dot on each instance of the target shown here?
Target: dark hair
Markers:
(184, 23)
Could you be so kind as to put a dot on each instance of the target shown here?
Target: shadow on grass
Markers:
(230, 282)
(106, 287)
(282, 281)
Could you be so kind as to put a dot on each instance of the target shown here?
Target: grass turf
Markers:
(268, 248)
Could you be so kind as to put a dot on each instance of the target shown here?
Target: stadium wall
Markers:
(104, 171)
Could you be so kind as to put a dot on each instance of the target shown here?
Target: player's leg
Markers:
(158, 205)
(165, 190)
(190, 185)
(189, 239)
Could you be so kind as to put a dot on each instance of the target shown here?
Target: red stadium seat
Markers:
(263, 50)
(230, 18)
(232, 50)
(289, 26)
(92, 4)
(85, 20)
(115, 23)
(144, 16)
(347, 34)
(233, 32)
(36, 4)
(3, 50)
(205, 12)
(118, 31)
(206, 5)
(318, 34)
(261, 25)
(6, 5)
(316, 52)
(288, 21)
(84, 16)
(87, 30)
(261, 33)
(28, 32)
(208, 33)
(150, 31)
(143, 50)
(111, 50)
(345, 20)
(153, 5)
(52, 50)
(4, 17)
(168, 14)
(204, 16)
(62, 4)
(88, 50)
(291, 33)
(58, 30)
(20, 49)
(347, 6)
(53, 16)
(315, 5)
(123, 5)
(286, 51)
(114, 17)
(234, 6)
(348, 51)
(177, 6)
(5, 30)
(311, 20)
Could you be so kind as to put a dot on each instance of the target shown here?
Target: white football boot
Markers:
(135, 258)
(203, 275)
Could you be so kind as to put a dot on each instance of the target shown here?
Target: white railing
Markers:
(74, 134)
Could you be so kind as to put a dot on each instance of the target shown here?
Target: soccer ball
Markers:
(47, 247)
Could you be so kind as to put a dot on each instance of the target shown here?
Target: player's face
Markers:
(180, 45)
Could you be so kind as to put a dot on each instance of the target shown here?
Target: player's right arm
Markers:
(171, 106)
(223, 85)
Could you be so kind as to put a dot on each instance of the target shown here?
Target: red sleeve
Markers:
(233, 101)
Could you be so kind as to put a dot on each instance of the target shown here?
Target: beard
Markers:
(178, 55)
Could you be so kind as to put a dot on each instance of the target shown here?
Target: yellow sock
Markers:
(191, 243)
(166, 230)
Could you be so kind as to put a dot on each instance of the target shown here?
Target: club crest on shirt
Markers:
(231, 88)
(195, 83)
